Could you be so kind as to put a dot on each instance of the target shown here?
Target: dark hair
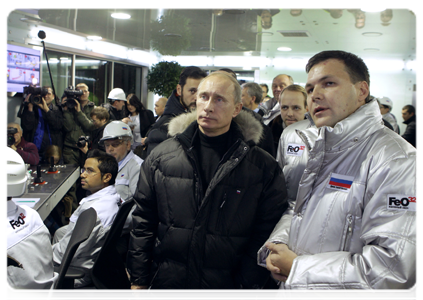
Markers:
(230, 71)
(106, 163)
(101, 113)
(136, 102)
(191, 72)
(410, 109)
(354, 65)
(265, 85)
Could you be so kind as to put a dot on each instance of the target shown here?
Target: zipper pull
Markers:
(224, 201)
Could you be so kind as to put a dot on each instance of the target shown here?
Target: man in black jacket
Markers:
(206, 199)
(42, 122)
(409, 116)
(182, 100)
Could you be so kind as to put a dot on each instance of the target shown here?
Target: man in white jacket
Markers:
(29, 255)
(98, 176)
(353, 224)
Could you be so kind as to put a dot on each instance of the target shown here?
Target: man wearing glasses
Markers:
(117, 139)
(98, 176)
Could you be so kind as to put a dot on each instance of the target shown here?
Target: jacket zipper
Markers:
(219, 223)
(349, 232)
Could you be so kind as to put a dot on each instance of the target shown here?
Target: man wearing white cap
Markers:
(385, 106)
(116, 106)
(117, 138)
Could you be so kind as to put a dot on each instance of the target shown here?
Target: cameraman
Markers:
(76, 123)
(27, 150)
(42, 121)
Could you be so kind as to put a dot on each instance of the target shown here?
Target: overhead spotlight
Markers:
(121, 16)
(94, 37)
(284, 49)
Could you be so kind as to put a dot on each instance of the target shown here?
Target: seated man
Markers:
(28, 151)
(29, 256)
(98, 176)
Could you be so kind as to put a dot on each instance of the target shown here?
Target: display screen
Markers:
(23, 64)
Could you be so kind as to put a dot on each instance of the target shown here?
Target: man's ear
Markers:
(106, 178)
(238, 108)
(179, 89)
(363, 91)
(253, 100)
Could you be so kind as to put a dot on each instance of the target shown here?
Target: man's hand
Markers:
(43, 105)
(279, 261)
(139, 291)
(30, 105)
(126, 120)
(84, 149)
(63, 103)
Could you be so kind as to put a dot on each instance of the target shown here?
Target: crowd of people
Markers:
(313, 188)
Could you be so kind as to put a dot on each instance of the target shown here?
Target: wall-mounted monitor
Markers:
(23, 64)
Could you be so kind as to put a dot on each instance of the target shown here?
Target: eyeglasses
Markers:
(88, 171)
(114, 144)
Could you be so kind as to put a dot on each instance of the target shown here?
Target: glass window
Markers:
(61, 71)
(125, 77)
(93, 73)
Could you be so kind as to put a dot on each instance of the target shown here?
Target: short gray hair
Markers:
(253, 90)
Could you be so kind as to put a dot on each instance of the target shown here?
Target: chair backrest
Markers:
(82, 230)
(109, 271)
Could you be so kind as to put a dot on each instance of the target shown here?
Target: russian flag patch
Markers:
(340, 182)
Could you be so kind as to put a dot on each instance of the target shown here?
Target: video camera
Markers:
(37, 93)
(11, 136)
(71, 95)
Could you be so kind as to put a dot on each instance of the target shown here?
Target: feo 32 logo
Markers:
(401, 202)
(295, 149)
(19, 222)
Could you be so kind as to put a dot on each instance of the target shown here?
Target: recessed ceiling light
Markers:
(264, 33)
(372, 34)
(94, 37)
(372, 9)
(285, 49)
(121, 16)
(371, 49)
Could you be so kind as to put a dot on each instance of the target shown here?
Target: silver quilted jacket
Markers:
(354, 221)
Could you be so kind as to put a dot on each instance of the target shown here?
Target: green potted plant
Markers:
(163, 77)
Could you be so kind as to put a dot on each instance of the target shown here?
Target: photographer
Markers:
(28, 151)
(76, 122)
(100, 118)
(116, 105)
(41, 119)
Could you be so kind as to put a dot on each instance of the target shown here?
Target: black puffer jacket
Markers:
(159, 131)
(182, 239)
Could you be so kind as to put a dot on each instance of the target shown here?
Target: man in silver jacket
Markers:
(353, 224)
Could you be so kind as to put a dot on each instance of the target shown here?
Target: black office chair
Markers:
(82, 230)
(109, 271)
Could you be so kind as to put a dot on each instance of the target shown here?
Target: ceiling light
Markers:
(94, 37)
(372, 9)
(285, 49)
(372, 34)
(121, 16)
(371, 49)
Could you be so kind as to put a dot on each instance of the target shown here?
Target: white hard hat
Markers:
(117, 94)
(385, 101)
(16, 174)
(116, 129)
